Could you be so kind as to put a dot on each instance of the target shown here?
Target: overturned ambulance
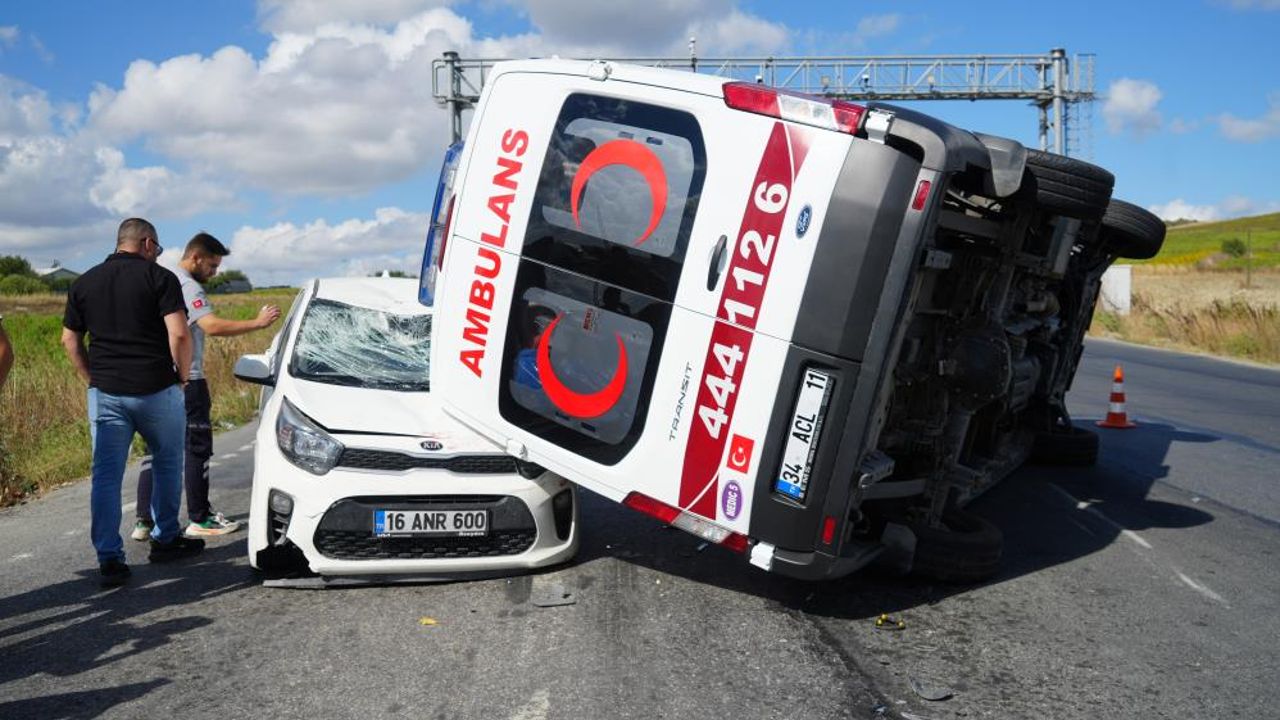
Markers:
(808, 330)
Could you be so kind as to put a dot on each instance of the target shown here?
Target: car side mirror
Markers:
(255, 369)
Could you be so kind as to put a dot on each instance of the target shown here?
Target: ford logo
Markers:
(802, 222)
(432, 445)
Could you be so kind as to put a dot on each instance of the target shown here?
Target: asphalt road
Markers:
(1144, 587)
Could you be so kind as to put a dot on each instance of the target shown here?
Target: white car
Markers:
(357, 471)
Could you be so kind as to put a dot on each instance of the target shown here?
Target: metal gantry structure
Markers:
(1058, 86)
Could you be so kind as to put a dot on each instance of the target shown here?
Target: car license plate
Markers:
(803, 434)
(440, 523)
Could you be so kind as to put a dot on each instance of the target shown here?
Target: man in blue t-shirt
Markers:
(139, 351)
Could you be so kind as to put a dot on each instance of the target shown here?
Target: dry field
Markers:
(1203, 311)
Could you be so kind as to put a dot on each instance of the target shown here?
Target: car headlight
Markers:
(303, 442)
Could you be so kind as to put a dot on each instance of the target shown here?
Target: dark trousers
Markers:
(195, 468)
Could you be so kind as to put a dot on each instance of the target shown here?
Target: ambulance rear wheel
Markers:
(966, 549)
(1069, 187)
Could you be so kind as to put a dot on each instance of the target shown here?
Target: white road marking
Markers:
(214, 463)
(244, 447)
(21, 556)
(1135, 537)
(1088, 507)
(228, 456)
(69, 533)
(1199, 587)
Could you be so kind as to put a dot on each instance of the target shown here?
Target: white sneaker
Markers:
(141, 530)
(215, 524)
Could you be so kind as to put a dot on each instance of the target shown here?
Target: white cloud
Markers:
(1255, 130)
(738, 33)
(1131, 107)
(1178, 126)
(153, 191)
(1180, 209)
(307, 15)
(289, 253)
(9, 35)
(62, 192)
(1230, 207)
(624, 28)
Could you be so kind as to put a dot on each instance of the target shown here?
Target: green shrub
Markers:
(1234, 247)
(21, 285)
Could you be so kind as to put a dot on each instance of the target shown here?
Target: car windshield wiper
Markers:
(333, 378)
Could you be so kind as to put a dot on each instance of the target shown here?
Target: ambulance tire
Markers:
(1069, 187)
(1071, 446)
(1131, 231)
(967, 550)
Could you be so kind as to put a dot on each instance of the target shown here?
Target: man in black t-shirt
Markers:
(132, 310)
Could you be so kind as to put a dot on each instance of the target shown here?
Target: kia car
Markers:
(357, 470)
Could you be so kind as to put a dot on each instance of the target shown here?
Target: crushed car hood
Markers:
(347, 410)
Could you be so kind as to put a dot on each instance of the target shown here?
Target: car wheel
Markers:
(966, 550)
(1069, 187)
(1131, 231)
(1069, 446)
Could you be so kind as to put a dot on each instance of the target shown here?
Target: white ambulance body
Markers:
(677, 292)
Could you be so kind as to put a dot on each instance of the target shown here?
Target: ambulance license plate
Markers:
(803, 434)
(439, 523)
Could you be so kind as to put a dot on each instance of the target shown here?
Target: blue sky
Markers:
(303, 132)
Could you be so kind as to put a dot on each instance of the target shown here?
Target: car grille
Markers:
(345, 531)
(356, 545)
(390, 460)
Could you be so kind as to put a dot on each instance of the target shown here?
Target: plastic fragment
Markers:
(930, 692)
(427, 621)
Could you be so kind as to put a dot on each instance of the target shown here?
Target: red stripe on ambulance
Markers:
(730, 345)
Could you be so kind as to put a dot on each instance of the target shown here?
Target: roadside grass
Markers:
(1209, 312)
(44, 434)
(1200, 245)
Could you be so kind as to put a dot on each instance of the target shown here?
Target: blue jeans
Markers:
(161, 419)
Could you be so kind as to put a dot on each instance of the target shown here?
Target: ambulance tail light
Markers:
(795, 107)
(438, 231)
(690, 523)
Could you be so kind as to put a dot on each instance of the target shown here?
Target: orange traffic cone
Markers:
(1117, 418)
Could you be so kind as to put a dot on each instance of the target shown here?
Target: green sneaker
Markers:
(142, 530)
(215, 524)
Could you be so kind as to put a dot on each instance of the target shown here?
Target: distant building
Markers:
(233, 286)
(55, 272)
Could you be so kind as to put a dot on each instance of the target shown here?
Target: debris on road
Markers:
(551, 595)
(427, 621)
(930, 692)
(887, 622)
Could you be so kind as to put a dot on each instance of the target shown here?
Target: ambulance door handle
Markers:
(718, 260)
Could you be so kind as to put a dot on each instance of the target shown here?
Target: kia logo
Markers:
(432, 445)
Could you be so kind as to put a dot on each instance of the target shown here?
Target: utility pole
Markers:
(1248, 259)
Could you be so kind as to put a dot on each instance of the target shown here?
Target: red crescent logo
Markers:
(638, 158)
(579, 405)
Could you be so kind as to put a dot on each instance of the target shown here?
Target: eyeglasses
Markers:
(159, 247)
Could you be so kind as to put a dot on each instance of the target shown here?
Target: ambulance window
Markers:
(618, 192)
(579, 361)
